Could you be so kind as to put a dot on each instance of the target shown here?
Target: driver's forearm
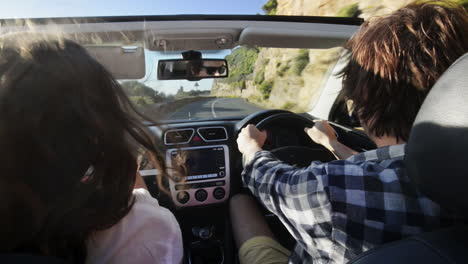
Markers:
(250, 153)
(340, 150)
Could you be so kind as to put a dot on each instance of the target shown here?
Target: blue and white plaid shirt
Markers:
(339, 209)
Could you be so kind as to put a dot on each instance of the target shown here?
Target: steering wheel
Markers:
(301, 156)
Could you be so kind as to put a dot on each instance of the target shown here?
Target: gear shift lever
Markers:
(203, 233)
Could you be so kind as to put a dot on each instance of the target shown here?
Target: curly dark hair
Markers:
(395, 60)
(63, 116)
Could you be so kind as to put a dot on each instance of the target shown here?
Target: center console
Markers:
(200, 175)
(198, 162)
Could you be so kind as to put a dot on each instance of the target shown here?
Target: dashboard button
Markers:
(183, 197)
(220, 183)
(219, 193)
(201, 195)
(221, 174)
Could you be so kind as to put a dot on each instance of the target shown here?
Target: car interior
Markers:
(202, 156)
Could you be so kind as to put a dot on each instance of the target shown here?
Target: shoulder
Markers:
(148, 233)
(148, 214)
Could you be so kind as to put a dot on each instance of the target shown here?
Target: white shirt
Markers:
(149, 233)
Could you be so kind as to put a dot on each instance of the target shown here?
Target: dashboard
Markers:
(199, 160)
(204, 164)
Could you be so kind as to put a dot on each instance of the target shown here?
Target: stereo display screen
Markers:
(199, 164)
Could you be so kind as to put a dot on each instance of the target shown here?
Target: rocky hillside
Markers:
(293, 78)
(368, 8)
(277, 78)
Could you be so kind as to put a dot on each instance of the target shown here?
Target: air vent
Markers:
(213, 133)
(178, 136)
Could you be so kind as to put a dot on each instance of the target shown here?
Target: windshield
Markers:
(259, 78)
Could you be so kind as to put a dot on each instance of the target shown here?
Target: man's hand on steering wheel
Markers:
(250, 141)
(322, 133)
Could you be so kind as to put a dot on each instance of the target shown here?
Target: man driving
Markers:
(337, 210)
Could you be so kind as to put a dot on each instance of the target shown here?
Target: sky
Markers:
(73, 8)
(91, 8)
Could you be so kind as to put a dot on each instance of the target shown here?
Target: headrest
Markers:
(437, 150)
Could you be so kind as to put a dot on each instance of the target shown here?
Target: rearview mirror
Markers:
(192, 70)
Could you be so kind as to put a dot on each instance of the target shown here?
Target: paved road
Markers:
(215, 107)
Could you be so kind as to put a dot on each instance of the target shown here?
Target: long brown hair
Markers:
(63, 116)
(394, 61)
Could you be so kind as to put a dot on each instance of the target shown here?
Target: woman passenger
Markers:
(69, 139)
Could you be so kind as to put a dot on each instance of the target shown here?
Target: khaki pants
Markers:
(264, 250)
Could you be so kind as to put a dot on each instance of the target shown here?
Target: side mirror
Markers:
(192, 70)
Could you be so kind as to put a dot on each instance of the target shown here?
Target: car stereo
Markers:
(200, 175)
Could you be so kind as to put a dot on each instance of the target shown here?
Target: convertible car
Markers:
(202, 78)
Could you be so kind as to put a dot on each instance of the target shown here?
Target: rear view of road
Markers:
(214, 108)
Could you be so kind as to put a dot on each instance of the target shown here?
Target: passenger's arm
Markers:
(323, 134)
(139, 182)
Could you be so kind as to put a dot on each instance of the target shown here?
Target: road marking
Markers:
(212, 107)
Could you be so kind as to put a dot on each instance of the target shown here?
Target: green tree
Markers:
(301, 61)
(270, 7)
(141, 94)
(266, 88)
(241, 63)
(463, 3)
(259, 75)
(351, 10)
